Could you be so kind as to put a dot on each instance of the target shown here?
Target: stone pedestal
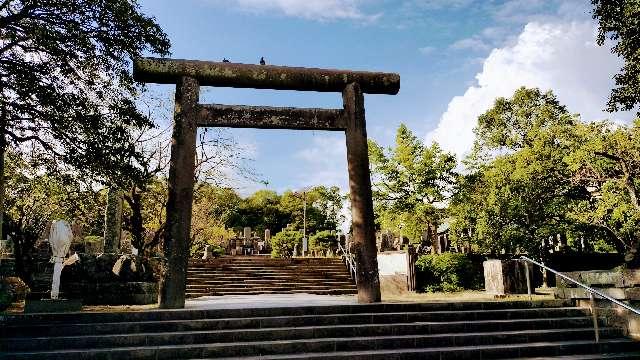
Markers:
(52, 306)
(505, 277)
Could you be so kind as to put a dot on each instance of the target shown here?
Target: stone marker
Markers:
(505, 277)
(113, 221)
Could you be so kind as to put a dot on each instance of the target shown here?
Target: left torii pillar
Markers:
(173, 279)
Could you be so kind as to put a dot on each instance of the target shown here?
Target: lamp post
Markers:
(305, 243)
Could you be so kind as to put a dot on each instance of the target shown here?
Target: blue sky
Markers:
(453, 56)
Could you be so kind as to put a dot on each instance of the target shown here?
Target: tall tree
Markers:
(409, 182)
(619, 20)
(65, 80)
(520, 188)
(607, 162)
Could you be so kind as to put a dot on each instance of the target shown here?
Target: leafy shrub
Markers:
(282, 243)
(448, 272)
(93, 238)
(217, 250)
(322, 241)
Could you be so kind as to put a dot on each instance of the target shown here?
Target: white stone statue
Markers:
(208, 254)
(60, 237)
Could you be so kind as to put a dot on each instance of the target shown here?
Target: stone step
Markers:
(194, 294)
(268, 285)
(240, 287)
(548, 349)
(277, 272)
(267, 281)
(284, 287)
(267, 272)
(373, 337)
(629, 355)
(411, 347)
(267, 278)
(370, 309)
(267, 266)
(445, 330)
(233, 319)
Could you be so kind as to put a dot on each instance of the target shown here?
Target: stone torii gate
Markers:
(189, 75)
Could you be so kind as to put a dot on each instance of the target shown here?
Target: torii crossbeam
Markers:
(189, 114)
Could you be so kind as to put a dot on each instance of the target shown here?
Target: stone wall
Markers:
(92, 280)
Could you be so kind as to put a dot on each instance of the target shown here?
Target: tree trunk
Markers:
(3, 146)
(136, 223)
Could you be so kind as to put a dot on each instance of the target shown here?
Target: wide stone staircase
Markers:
(252, 275)
(468, 330)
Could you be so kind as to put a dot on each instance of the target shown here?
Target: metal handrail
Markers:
(591, 291)
(348, 259)
(588, 288)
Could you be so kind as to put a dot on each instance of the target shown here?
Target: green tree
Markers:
(212, 208)
(35, 198)
(260, 211)
(409, 181)
(619, 20)
(519, 189)
(265, 209)
(66, 86)
(284, 242)
(323, 241)
(607, 163)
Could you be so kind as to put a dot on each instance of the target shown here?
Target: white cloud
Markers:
(521, 10)
(427, 50)
(472, 43)
(326, 161)
(557, 56)
(438, 4)
(321, 10)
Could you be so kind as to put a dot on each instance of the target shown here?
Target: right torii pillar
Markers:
(364, 237)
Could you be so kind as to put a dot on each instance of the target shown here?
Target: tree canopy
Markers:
(409, 182)
(619, 20)
(65, 80)
(519, 188)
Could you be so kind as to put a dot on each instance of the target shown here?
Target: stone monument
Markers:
(113, 221)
